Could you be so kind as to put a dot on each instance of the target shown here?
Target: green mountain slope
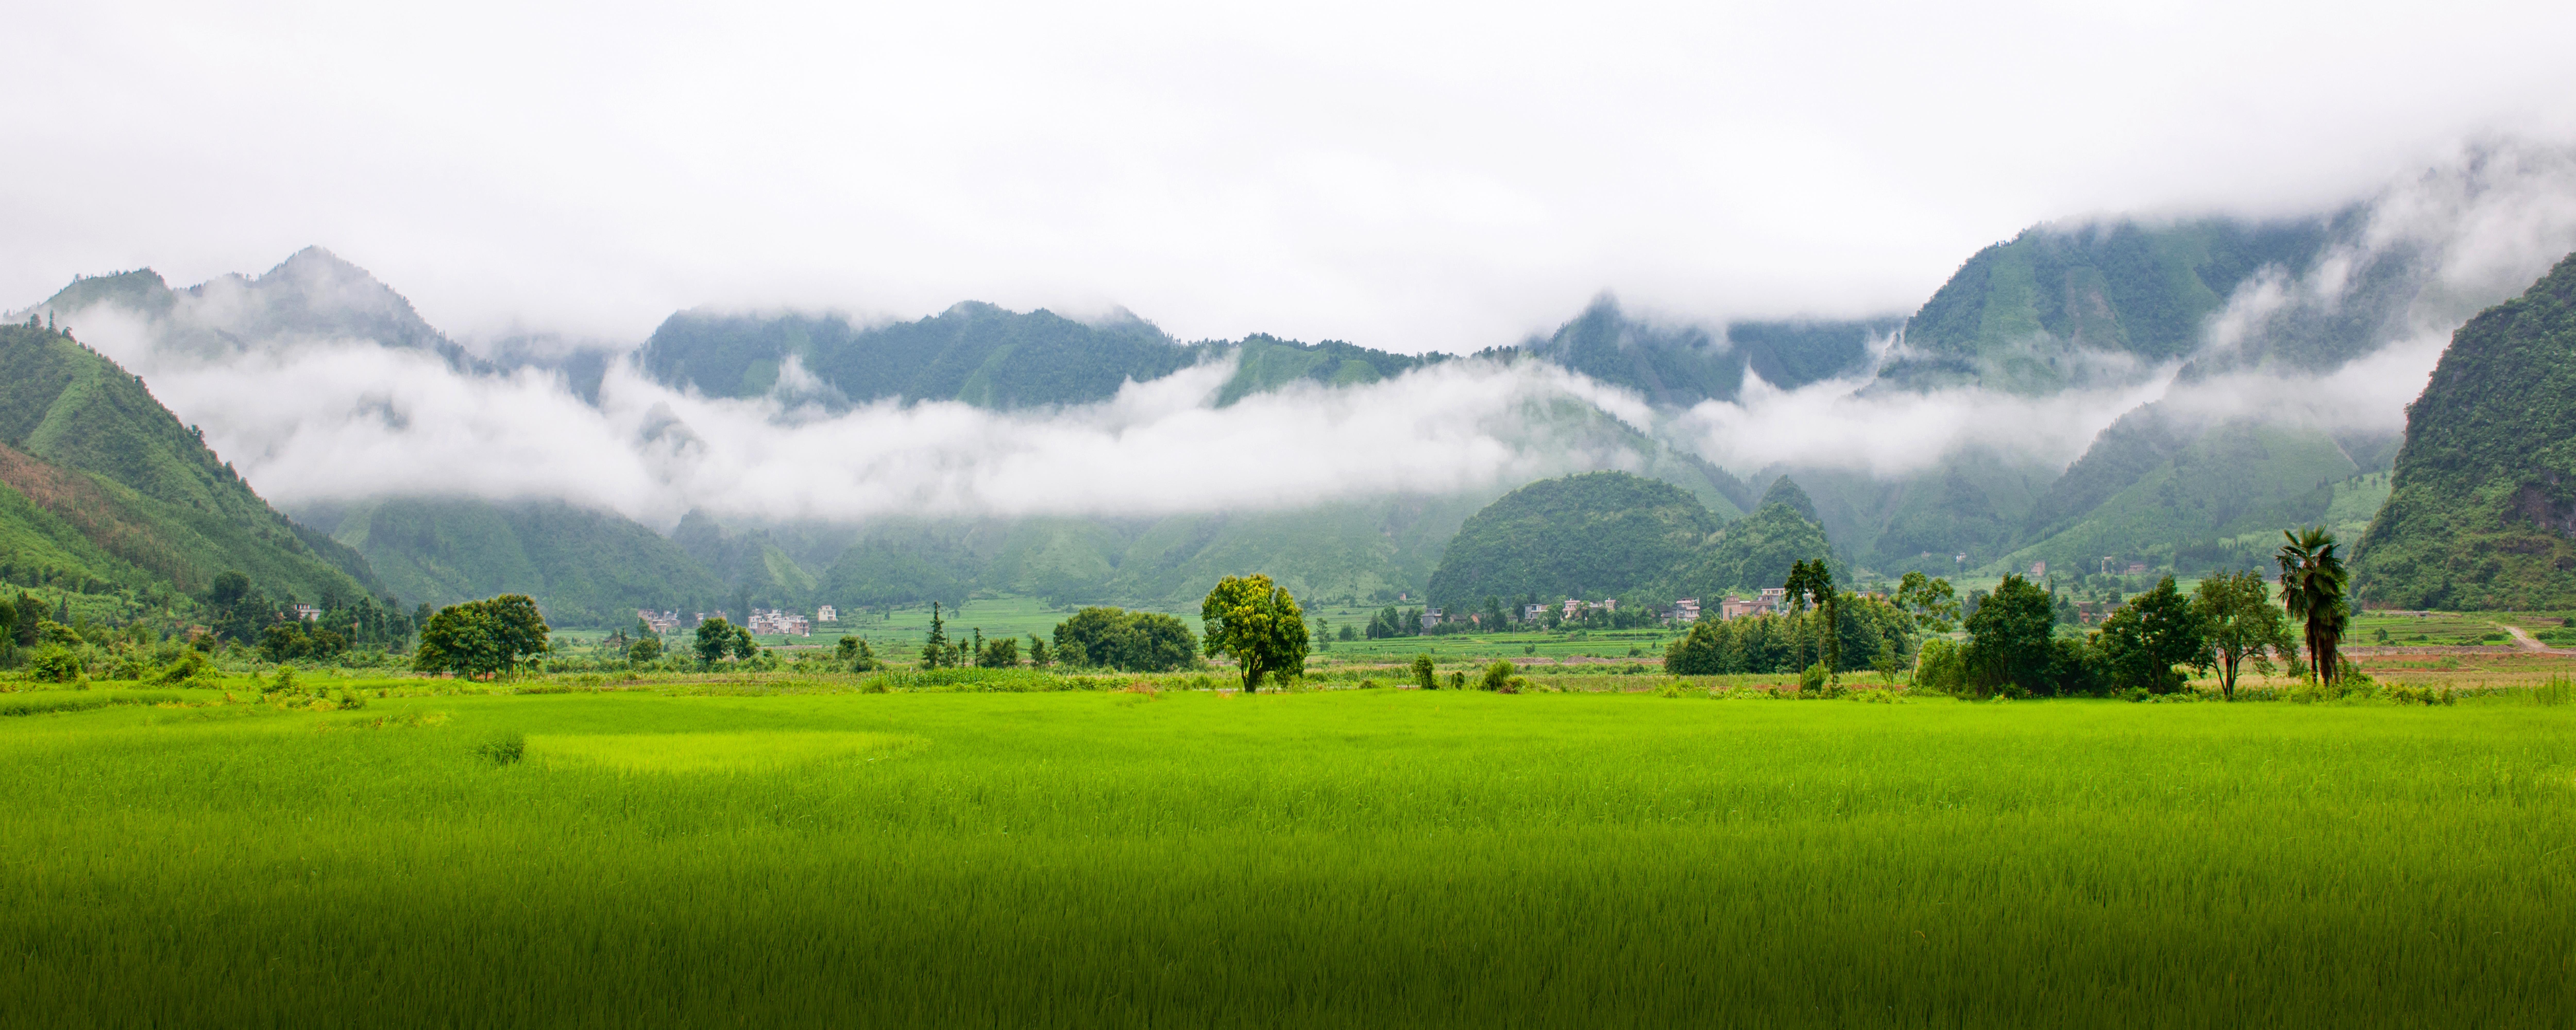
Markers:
(1755, 552)
(584, 567)
(1682, 365)
(2033, 314)
(2233, 479)
(1595, 534)
(156, 498)
(2482, 508)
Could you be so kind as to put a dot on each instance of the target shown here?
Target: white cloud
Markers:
(1407, 176)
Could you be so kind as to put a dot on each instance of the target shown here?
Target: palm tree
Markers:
(2312, 580)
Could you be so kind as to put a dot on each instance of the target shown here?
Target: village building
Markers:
(782, 623)
(658, 622)
(308, 613)
(827, 613)
(1686, 610)
(1430, 618)
(1533, 613)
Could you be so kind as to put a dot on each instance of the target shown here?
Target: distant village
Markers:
(764, 621)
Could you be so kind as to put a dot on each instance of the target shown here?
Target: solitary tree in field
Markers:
(2242, 623)
(2312, 582)
(482, 638)
(1258, 623)
(715, 639)
(934, 648)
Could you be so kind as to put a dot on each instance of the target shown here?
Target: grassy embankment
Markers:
(730, 851)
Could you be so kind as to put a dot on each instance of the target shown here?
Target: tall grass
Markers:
(1343, 858)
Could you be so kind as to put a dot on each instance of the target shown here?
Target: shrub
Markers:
(55, 664)
(1498, 676)
(1426, 675)
(1813, 679)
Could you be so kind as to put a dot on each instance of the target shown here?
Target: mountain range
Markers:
(2175, 322)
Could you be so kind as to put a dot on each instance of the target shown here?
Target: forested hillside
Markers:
(102, 482)
(2058, 307)
(2482, 508)
(1592, 535)
(586, 567)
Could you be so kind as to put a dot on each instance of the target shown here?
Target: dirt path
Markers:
(2526, 642)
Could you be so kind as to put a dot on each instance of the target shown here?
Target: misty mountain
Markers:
(2062, 306)
(587, 568)
(2482, 510)
(312, 296)
(1681, 365)
(104, 484)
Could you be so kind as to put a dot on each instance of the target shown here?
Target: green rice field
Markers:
(766, 852)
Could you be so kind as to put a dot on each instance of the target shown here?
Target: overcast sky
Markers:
(1407, 177)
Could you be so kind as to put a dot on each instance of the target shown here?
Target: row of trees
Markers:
(2228, 623)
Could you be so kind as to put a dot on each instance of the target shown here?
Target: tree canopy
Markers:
(1113, 638)
(483, 638)
(1259, 624)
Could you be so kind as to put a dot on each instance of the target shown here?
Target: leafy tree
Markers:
(2008, 639)
(1425, 673)
(1498, 676)
(715, 638)
(1257, 622)
(2243, 623)
(2156, 631)
(854, 654)
(2312, 582)
(26, 619)
(999, 653)
(482, 638)
(1928, 602)
(644, 650)
(744, 647)
(1039, 656)
(1124, 640)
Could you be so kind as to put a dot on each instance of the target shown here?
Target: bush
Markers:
(1426, 675)
(1940, 666)
(1812, 680)
(55, 664)
(1498, 676)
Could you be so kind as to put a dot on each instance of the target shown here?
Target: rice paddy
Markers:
(780, 853)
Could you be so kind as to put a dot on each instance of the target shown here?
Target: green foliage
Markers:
(504, 748)
(643, 651)
(480, 639)
(2016, 314)
(2312, 592)
(1859, 634)
(1596, 534)
(2143, 642)
(1114, 638)
(1942, 665)
(973, 352)
(2243, 624)
(1264, 363)
(2010, 645)
(1498, 676)
(1755, 553)
(86, 443)
(854, 654)
(2482, 510)
(584, 567)
(1426, 675)
(715, 639)
(1259, 624)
